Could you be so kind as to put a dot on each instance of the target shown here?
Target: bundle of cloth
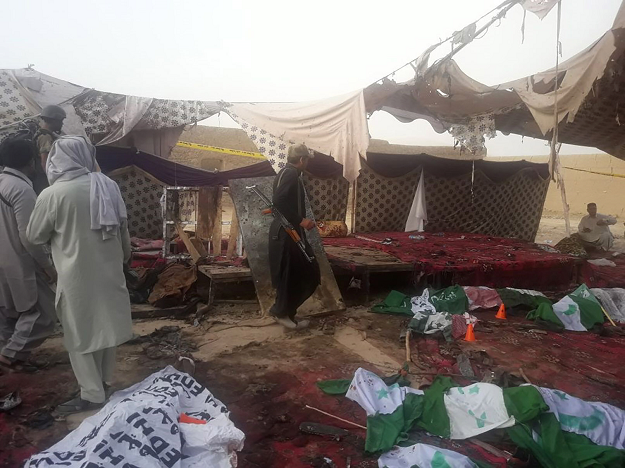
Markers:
(559, 429)
(447, 309)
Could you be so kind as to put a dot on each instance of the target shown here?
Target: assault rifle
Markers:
(286, 225)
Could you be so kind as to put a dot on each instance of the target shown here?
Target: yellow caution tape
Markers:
(217, 149)
(596, 172)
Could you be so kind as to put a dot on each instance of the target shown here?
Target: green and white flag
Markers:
(374, 396)
(572, 432)
(513, 297)
(602, 423)
(579, 311)
(424, 456)
(476, 409)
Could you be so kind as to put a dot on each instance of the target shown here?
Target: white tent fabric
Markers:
(44, 90)
(540, 8)
(336, 126)
(418, 215)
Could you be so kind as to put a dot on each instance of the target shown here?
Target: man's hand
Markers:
(587, 230)
(307, 224)
(51, 274)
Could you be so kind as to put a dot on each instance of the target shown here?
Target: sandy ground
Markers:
(552, 229)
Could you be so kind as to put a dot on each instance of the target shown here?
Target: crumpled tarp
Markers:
(140, 427)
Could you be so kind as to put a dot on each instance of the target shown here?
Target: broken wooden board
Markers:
(255, 229)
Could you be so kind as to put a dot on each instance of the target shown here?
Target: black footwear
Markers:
(77, 405)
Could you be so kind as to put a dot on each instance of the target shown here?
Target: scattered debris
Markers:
(323, 430)
(10, 401)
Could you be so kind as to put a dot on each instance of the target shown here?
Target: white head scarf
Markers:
(74, 156)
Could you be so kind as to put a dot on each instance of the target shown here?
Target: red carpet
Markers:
(473, 259)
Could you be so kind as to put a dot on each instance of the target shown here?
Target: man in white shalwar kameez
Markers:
(594, 229)
(83, 216)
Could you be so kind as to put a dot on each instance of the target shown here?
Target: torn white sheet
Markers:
(540, 8)
(602, 423)
(336, 126)
(418, 215)
(424, 456)
(139, 428)
(476, 409)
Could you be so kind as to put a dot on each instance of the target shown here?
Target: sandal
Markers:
(77, 405)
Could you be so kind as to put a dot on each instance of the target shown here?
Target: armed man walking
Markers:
(293, 275)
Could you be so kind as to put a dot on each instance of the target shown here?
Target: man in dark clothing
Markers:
(50, 125)
(293, 276)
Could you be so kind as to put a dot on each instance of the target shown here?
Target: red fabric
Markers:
(595, 276)
(586, 365)
(482, 298)
(146, 244)
(473, 259)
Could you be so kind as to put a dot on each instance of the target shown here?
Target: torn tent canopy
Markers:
(579, 311)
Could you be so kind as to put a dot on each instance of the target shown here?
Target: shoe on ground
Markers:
(77, 405)
(285, 322)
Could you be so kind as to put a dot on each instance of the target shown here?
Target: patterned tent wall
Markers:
(383, 203)
(328, 197)
(142, 194)
(511, 208)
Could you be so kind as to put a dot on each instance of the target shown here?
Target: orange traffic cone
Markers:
(501, 314)
(470, 336)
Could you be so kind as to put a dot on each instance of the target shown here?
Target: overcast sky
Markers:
(278, 50)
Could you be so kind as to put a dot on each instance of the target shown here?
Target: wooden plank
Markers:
(219, 272)
(204, 225)
(195, 255)
(234, 235)
(217, 227)
(199, 245)
(373, 260)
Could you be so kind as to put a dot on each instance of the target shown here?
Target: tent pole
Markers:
(555, 168)
(353, 203)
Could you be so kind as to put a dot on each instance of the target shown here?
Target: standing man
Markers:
(50, 125)
(82, 214)
(594, 229)
(27, 315)
(293, 276)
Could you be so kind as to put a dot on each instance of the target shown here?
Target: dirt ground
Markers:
(266, 376)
